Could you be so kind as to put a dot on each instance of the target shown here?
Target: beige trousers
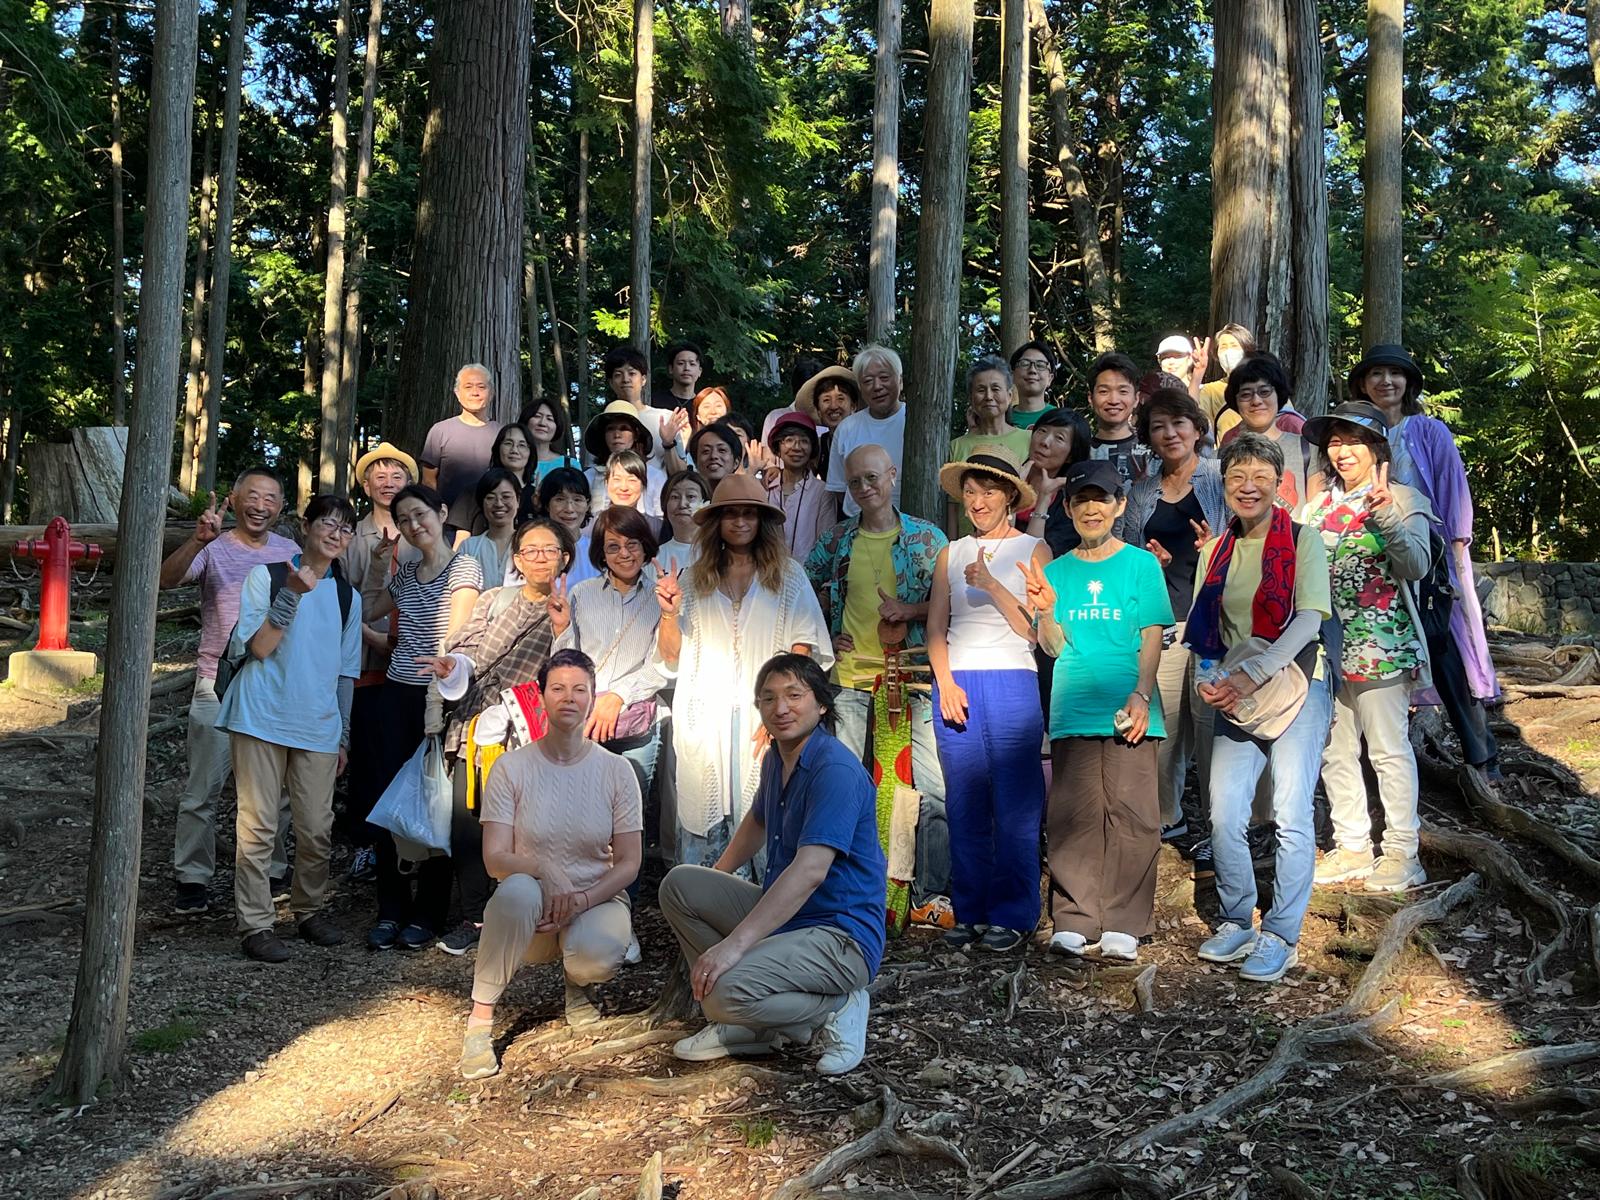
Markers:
(194, 843)
(263, 772)
(590, 949)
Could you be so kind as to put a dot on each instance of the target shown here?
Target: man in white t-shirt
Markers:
(881, 423)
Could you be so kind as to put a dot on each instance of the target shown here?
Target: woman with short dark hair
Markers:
(1258, 392)
(549, 430)
(499, 500)
(565, 497)
(513, 451)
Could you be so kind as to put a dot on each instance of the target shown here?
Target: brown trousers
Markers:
(1102, 832)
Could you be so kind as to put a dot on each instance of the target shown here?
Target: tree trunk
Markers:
(935, 315)
(97, 1031)
(1015, 319)
(465, 300)
(331, 469)
(1096, 284)
(12, 449)
(350, 336)
(1591, 15)
(530, 313)
(1307, 351)
(885, 175)
(557, 350)
(736, 21)
(222, 258)
(1249, 169)
(119, 284)
(1381, 262)
(644, 55)
(581, 339)
(194, 402)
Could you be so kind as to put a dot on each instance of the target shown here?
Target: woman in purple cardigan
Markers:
(1425, 457)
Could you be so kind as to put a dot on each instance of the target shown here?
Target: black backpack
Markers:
(1435, 594)
(229, 665)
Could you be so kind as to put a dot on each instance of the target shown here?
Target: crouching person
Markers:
(789, 962)
(562, 820)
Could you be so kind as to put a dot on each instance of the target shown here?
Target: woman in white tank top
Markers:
(989, 725)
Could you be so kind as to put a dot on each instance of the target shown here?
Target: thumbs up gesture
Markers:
(891, 608)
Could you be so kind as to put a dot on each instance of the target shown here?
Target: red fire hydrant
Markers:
(56, 553)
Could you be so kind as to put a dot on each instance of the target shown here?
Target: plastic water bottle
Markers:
(1245, 709)
(1210, 673)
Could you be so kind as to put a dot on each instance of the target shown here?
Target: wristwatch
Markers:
(1142, 696)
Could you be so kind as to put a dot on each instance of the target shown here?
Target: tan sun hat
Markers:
(989, 459)
(805, 400)
(736, 490)
(385, 450)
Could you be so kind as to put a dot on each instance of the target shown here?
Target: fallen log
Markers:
(1550, 691)
(173, 535)
(1514, 1064)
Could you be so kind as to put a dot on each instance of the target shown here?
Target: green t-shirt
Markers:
(1027, 420)
(871, 567)
(1103, 607)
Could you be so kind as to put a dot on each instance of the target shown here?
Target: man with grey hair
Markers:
(881, 423)
(456, 452)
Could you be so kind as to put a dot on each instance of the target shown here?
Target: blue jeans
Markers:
(994, 797)
(1237, 760)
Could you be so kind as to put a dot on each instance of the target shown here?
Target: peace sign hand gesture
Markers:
(559, 606)
(208, 526)
(1379, 495)
(669, 592)
(1202, 533)
(387, 543)
(1163, 555)
(1201, 358)
(1041, 596)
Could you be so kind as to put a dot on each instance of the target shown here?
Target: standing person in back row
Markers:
(218, 562)
(457, 449)
(881, 423)
(1033, 364)
(1114, 399)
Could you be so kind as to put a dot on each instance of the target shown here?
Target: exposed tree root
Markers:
(623, 1045)
(1594, 940)
(1515, 1067)
(1497, 863)
(1392, 942)
(1016, 985)
(1084, 1181)
(1291, 1185)
(1144, 990)
(717, 1080)
(884, 1138)
(1495, 1177)
(1554, 1099)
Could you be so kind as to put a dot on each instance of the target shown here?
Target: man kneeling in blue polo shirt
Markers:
(789, 962)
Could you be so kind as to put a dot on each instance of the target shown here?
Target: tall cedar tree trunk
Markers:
(644, 67)
(97, 1031)
(119, 285)
(331, 469)
(1381, 260)
(1591, 16)
(1249, 169)
(466, 277)
(13, 448)
(1014, 293)
(935, 313)
(194, 402)
(580, 366)
(222, 257)
(736, 21)
(1064, 136)
(885, 175)
(530, 314)
(558, 353)
(350, 336)
(1307, 352)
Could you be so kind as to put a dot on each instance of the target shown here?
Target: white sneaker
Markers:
(1122, 946)
(1340, 866)
(1067, 942)
(843, 1036)
(719, 1041)
(1392, 873)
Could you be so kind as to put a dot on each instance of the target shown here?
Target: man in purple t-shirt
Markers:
(456, 452)
(218, 562)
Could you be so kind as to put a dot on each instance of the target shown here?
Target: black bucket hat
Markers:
(1363, 414)
(1386, 355)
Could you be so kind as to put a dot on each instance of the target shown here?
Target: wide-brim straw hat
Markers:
(734, 491)
(594, 434)
(385, 450)
(805, 400)
(990, 459)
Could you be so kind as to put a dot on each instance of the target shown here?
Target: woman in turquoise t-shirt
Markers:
(1101, 609)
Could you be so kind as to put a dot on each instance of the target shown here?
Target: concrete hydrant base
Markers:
(43, 670)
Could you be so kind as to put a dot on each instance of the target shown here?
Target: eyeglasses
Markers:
(1250, 395)
(539, 552)
(628, 547)
(334, 525)
(1032, 364)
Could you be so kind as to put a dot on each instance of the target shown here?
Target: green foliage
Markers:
(164, 1039)
(756, 1131)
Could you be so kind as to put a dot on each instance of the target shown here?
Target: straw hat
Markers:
(738, 490)
(594, 434)
(805, 400)
(992, 460)
(385, 450)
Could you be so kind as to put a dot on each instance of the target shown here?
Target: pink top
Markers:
(809, 511)
(220, 568)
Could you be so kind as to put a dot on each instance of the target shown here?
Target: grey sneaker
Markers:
(1338, 866)
(843, 1036)
(477, 1055)
(1392, 874)
(1270, 961)
(720, 1041)
(1230, 943)
(581, 1008)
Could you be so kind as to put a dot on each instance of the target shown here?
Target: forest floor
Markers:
(1017, 1076)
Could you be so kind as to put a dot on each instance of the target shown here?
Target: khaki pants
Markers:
(799, 977)
(264, 771)
(1188, 724)
(590, 949)
(1378, 712)
(1102, 832)
(194, 846)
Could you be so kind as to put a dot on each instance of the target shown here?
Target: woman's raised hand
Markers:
(669, 592)
(1379, 494)
(1163, 555)
(977, 572)
(1041, 596)
(1202, 533)
(559, 606)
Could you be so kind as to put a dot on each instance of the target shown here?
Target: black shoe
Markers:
(959, 937)
(192, 900)
(281, 887)
(1178, 829)
(320, 931)
(461, 939)
(364, 868)
(264, 946)
(1263, 840)
(383, 935)
(1000, 939)
(415, 937)
(1200, 855)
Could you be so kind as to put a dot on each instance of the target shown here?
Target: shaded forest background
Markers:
(761, 182)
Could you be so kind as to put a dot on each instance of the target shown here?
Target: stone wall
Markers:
(1543, 598)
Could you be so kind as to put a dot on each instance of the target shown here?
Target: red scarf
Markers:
(1270, 608)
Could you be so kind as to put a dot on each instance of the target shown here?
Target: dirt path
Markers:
(340, 1066)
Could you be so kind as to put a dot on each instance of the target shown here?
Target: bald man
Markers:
(873, 573)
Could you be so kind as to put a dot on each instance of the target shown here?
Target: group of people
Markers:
(828, 716)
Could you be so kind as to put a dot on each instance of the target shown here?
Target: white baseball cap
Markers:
(1176, 344)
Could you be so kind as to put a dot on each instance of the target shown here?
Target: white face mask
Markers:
(1230, 359)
